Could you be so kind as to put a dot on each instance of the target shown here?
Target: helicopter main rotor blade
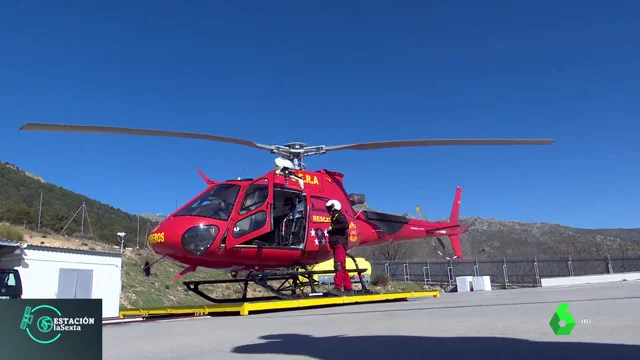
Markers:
(362, 146)
(437, 142)
(129, 131)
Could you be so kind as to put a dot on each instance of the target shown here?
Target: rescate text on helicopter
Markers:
(273, 227)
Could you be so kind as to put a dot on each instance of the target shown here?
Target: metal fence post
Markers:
(476, 269)
(450, 273)
(405, 269)
(536, 271)
(609, 265)
(504, 271)
(426, 272)
(570, 265)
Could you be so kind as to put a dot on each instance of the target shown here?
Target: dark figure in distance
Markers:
(338, 242)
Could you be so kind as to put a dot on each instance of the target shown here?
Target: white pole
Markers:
(40, 212)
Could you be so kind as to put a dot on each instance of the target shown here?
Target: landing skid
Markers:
(292, 285)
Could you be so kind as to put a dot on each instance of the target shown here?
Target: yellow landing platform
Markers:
(245, 308)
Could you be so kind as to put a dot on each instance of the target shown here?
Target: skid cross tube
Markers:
(290, 288)
(355, 262)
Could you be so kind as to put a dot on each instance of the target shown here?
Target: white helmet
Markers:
(333, 205)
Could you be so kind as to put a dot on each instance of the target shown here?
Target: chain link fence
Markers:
(504, 273)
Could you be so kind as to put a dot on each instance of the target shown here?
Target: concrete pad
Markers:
(499, 324)
(589, 279)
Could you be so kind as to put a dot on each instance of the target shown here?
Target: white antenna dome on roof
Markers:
(282, 163)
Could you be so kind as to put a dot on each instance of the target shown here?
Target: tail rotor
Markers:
(449, 230)
(439, 239)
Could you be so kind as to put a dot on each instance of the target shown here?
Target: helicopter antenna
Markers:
(243, 169)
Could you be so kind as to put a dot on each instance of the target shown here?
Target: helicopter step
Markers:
(262, 306)
(284, 285)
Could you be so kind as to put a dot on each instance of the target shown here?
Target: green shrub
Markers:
(8, 232)
(380, 280)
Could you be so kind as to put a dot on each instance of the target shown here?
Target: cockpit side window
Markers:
(256, 195)
(216, 203)
(319, 203)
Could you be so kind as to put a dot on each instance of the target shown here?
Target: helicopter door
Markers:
(253, 217)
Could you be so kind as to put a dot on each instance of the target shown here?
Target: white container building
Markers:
(60, 273)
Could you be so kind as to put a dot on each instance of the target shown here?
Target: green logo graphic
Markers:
(44, 326)
(562, 314)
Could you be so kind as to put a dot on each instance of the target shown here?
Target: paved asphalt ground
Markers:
(501, 324)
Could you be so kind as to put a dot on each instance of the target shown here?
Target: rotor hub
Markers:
(296, 146)
(296, 151)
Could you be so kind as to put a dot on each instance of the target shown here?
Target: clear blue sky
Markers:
(331, 73)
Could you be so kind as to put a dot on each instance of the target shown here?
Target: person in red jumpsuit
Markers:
(338, 242)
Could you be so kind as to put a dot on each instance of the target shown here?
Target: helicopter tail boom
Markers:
(390, 228)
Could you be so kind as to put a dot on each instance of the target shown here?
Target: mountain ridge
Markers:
(20, 195)
(493, 238)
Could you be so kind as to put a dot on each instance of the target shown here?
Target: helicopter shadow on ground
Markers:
(407, 347)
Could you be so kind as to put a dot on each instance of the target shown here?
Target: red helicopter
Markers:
(274, 227)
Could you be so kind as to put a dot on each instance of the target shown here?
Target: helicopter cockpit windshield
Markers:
(216, 203)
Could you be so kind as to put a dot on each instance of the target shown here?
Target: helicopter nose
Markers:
(198, 239)
(183, 237)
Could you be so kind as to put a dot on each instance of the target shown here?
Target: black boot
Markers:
(336, 292)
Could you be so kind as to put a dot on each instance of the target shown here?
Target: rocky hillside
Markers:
(491, 238)
(510, 238)
(487, 238)
(20, 194)
(155, 218)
